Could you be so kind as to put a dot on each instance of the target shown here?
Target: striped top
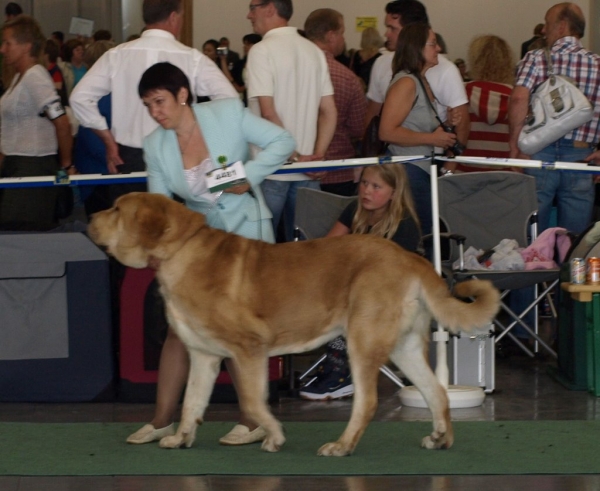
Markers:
(488, 111)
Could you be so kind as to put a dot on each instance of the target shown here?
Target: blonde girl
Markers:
(384, 208)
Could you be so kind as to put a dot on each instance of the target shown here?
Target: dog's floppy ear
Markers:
(151, 221)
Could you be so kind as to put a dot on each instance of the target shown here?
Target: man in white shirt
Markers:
(119, 71)
(289, 84)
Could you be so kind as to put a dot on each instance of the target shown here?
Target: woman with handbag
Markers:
(409, 121)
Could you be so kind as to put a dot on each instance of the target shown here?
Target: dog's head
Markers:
(142, 227)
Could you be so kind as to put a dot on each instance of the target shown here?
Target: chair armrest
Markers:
(459, 239)
(445, 235)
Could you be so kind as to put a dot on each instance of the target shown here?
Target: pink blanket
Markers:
(540, 254)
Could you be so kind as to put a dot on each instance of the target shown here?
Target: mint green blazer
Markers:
(228, 129)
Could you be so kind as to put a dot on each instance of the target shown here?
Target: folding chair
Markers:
(316, 212)
(484, 208)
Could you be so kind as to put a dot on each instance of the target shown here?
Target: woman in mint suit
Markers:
(191, 141)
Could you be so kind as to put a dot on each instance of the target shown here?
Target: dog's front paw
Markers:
(273, 443)
(334, 449)
(176, 441)
(435, 443)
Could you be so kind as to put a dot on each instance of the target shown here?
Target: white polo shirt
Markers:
(444, 78)
(293, 71)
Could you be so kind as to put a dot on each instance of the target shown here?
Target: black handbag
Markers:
(372, 146)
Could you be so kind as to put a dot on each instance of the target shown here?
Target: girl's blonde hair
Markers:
(400, 207)
(370, 40)
(491, 59)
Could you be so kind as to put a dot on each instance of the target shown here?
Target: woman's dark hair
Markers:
(164, 76)
(69, 47)
(409, 49)
(12, 9)
(102, 35)
(59, 35)
(252, 38)
(213, 42)
(52, 49)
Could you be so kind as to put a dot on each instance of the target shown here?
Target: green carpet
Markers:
(524, 447)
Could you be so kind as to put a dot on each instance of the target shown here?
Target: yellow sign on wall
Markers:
(363, 22)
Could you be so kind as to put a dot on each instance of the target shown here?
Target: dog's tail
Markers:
(456, 315)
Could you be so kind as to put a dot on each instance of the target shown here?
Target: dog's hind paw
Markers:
(272, 444)
(431, 443)
(334, 449)
(175, 441)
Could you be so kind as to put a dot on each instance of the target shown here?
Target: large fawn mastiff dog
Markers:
(231, 297)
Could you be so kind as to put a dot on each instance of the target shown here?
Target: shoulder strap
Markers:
(428, 100)
(548, 57)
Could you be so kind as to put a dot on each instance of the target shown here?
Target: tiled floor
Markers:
(525, 391)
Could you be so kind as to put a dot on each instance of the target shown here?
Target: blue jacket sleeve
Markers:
(157, 179)
(277, 145)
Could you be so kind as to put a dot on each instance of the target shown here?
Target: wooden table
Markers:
(581, 293)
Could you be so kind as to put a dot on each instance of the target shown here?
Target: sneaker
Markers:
(333, 386)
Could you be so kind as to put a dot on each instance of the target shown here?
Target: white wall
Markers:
(55, 15)
(458, 21)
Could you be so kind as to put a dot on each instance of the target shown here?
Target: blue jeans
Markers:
(280, 197)
(574, 191)
(420, 188)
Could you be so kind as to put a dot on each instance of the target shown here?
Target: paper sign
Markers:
(363, 22)
(223, 178)
(81, 27)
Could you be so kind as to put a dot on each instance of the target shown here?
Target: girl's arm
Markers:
(338, 230)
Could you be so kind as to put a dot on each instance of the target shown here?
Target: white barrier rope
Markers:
(141, 177)
(293, 167)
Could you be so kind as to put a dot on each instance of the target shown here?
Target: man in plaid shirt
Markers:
(573, 191)
(325, 28)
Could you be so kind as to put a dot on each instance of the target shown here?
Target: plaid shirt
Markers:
(569, 58)
(351, 105)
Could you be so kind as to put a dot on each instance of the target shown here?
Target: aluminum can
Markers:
(593, 271)
(578, 271)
